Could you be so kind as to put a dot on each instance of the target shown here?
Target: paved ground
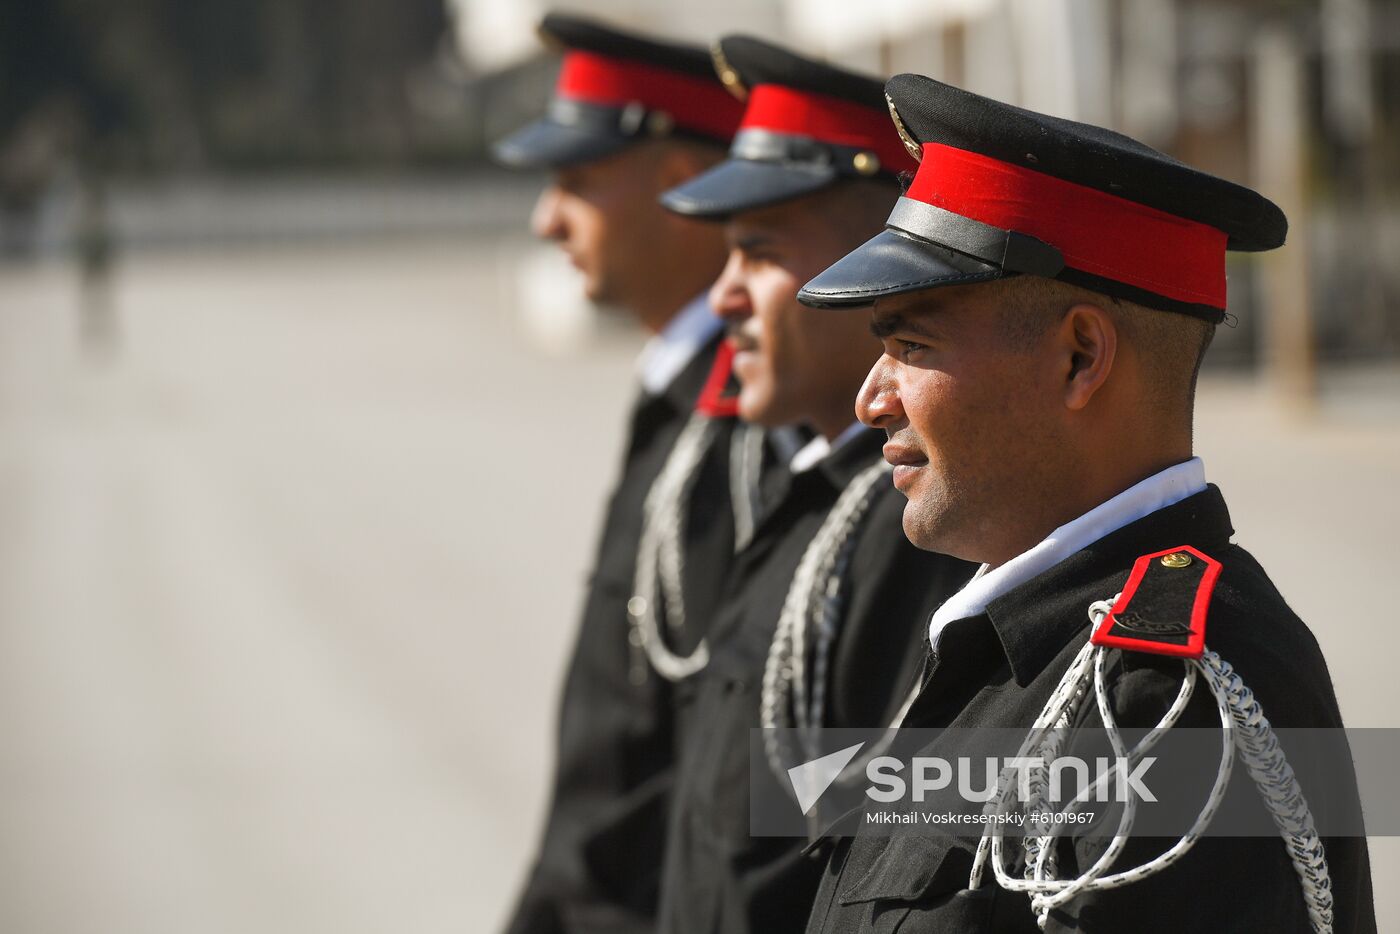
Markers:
(287, 579)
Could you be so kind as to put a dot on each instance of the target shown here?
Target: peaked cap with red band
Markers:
(806, 126)
(616, 88)
(1002, 191)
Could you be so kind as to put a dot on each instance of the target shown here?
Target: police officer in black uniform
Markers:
(1045, 291)
(814, 629)
(631, 117)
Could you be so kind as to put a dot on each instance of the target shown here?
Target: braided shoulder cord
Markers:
(1273, 776)
(659, 577)
(814, 602)
(745, 472)
(1245, 731)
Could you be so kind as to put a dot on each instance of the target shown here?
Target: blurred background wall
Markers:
(303, 441)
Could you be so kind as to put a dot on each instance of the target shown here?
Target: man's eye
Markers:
(907, 349)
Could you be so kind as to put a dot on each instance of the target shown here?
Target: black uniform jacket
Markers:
(997, 669)
(597, 868)
(717, 878)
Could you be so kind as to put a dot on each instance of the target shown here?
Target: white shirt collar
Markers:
(816, 450)
(669, 352)
(1156, 492)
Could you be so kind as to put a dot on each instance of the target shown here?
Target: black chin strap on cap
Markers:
(632, 120)
(1007, 249)
(771, 146)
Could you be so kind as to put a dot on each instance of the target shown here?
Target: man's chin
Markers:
(918, 529)
(597, 295)
(756, 409)
(598, 290)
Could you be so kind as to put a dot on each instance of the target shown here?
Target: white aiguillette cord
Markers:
(658, 583)
(1245, 731)
(745, 476)
(813, 609)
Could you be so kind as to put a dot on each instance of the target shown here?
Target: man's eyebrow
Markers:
(883, 326)
(751, 241)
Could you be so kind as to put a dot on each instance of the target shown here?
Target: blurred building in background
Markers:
(1299, 98)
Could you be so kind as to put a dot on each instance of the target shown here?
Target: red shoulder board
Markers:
(1163, 606)
(720, 397)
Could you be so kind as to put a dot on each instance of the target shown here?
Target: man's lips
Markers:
(906, 462)
(900, 456)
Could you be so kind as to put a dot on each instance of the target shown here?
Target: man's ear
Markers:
(1087, 339)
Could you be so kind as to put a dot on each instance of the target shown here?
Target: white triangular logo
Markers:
(811, 779)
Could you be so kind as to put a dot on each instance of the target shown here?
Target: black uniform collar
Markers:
(833, 472)
(859, 452)
(1035, 620)
(682, 392)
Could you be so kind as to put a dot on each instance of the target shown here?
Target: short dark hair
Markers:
(1171, 345)
(862, 204)
(706, 153)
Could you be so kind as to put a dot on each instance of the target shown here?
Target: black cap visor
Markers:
(738, 185)
(549, 144)
(892, 263)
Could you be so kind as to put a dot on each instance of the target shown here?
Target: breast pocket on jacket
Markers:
(917, 885)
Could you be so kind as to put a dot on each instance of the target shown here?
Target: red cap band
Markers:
(1097, 233)
(782, 109)
(698, 104)
(716, 399)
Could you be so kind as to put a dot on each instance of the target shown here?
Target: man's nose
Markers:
(878, 404)
(729, 296)
(547, 220)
